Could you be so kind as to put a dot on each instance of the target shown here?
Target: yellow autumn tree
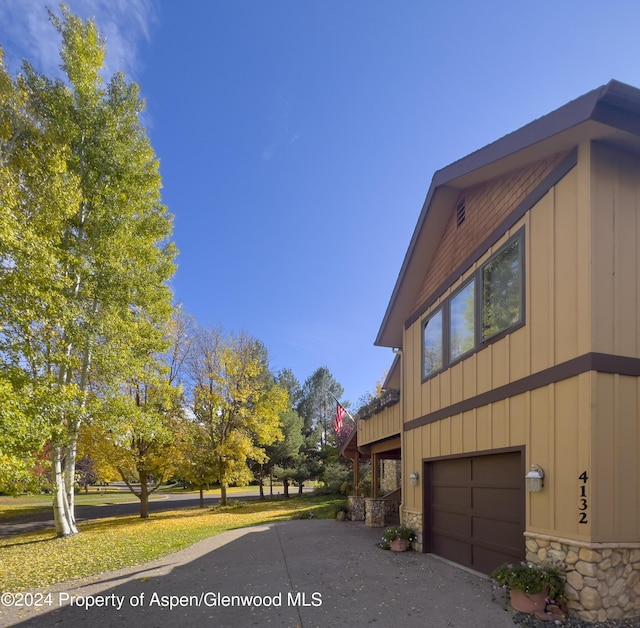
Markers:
(85, 255)
(236, 400)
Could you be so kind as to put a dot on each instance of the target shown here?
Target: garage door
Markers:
(476, 509)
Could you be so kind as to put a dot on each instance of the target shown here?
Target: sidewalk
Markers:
(296, 573)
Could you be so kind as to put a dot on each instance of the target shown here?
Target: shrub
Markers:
(335, 474)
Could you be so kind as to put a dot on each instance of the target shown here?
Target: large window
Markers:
(488, 305)
(462, 321)
(502, 290)
(432, 342)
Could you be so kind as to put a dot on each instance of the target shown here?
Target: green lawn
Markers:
(37, 559)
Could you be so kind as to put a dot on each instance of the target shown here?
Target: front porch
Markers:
(376, 512)
(378, 501)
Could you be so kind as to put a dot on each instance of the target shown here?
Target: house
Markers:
(515, 320)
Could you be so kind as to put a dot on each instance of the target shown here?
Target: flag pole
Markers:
(347, 411)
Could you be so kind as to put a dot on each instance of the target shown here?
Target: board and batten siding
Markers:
(381, 425)
(615, 224)
(615, 431)
(552, 421)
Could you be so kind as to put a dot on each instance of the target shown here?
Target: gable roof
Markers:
(610, 113)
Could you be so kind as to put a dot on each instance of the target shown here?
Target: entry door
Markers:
(475, 509)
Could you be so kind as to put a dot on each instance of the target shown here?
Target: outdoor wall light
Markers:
(413, 478)
(534, 479)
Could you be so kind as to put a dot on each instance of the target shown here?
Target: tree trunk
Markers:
(300, 487)
(144, 493)
(286, 487)
(69, 469)
(271, 483)
(62, 510)
(201, 496)
(261, 482)
(222, 468)
(64, 458)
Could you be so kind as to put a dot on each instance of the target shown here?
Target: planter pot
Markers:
(399, 545)
(530, 603)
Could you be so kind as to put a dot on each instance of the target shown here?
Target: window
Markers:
(502, 290)
(432, 343)
(470, 316)
(462, 321)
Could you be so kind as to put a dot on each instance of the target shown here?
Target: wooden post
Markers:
(356, 472)
(374, 475)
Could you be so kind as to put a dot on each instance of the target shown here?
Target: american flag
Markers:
(340, 414)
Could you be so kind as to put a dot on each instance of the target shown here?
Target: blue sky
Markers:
(297, 140)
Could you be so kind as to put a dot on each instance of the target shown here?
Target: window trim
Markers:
(445, 307)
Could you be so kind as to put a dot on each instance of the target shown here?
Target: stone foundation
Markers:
(603, 579)
(356, 507)
(377, 511)
(413, 520)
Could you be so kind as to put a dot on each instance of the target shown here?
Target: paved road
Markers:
(170, 501)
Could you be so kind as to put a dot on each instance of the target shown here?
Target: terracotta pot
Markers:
(530, 603)
(399, 545)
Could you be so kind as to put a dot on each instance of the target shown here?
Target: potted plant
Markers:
(530, 586)
(397, 538)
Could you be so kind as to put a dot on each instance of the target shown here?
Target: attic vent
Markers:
(460, 215)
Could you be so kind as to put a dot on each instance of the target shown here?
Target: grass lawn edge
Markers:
(34, 560)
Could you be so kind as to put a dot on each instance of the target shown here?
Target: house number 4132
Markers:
(584, 504)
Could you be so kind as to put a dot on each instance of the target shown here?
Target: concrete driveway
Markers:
(295, 573)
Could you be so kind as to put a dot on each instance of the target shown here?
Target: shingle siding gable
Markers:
(486, 205)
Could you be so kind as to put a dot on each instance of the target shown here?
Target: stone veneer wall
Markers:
(390, 476)
(374, 512)
(356, 507)
(413, 520)
(377, 510)
(603, 579)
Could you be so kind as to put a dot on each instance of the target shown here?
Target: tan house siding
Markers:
(615, 470)
(556, 288)
(380, 426)
(582, 296)
(615, 224)
(486, 205)
(545, 419)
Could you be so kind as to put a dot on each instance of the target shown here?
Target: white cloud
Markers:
(270, 151)
(279, 117)
(26, 32)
